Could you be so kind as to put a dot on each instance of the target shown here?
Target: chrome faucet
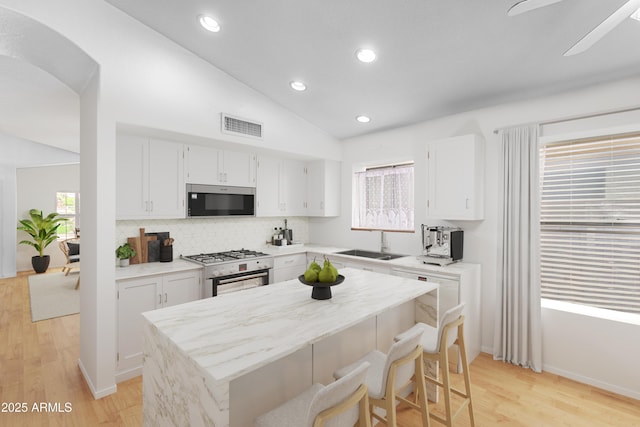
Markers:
(384, 245)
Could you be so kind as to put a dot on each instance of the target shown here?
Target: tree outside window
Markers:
(68, 206)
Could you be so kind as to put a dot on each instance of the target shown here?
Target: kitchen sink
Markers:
(370, 254)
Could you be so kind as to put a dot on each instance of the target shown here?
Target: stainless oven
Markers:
(236, 282)
(233, 271)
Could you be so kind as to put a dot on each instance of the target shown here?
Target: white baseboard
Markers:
(97, 394)
(634, 394)
(127, 375)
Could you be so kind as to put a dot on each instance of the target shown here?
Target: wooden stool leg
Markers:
(446, 382)
(465, 371)
(420, 390)
(78, 282)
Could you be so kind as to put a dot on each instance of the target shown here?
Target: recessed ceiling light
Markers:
(363, 119)
(297, 85)
(636, 15)
(365, 55)
(209, 24)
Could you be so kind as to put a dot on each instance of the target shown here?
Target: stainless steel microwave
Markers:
(219, 200)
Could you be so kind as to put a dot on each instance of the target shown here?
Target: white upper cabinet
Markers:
(455, 178)
(281, 187)
(201, 165)
(212, 166)
(268, 187)
(297, 188)
(293, 187)
(237, 169)
(149, 178)
(323, 188)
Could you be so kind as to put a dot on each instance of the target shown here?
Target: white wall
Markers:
(563, 339)
(36, 189)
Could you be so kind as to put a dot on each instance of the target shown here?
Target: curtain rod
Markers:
(569, 118)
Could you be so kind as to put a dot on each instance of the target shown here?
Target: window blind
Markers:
(383, 198)
(590, 222)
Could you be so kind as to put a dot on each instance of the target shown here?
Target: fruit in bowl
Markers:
(326, 274)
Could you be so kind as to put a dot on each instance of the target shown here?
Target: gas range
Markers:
(225, 257)
(233, 270)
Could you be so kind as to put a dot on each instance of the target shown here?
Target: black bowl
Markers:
(321, 290)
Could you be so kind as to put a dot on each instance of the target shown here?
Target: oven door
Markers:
(240, 281)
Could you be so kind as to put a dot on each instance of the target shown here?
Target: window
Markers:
(590, 222)
(68, 206)
(383, 198)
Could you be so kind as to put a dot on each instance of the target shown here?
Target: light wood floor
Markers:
(38, 364)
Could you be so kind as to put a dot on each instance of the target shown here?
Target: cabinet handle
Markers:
(159, 299)
(151, 203)
(165, 297)
(466, 203)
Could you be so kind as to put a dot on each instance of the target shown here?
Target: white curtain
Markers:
(384, 198)
(517, 337)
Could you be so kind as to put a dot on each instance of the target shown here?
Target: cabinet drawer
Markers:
(290, 261)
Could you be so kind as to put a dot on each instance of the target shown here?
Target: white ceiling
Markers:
(435, 57)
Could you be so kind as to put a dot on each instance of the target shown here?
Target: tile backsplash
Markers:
(202, 235)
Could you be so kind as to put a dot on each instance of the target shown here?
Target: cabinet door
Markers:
(135, 296)
(166, 180)
(323, 188)
(239, 169)
(132, 177)
(201, 165)
(455, 178)
(179, 288)
(268, 187)
(293, 188)
(287, 267)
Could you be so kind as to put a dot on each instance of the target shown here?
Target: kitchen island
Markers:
(222, 361)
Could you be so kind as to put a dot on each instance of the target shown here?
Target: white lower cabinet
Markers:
(287, 267)
(135, 296)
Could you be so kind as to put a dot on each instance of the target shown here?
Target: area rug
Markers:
(53, 295)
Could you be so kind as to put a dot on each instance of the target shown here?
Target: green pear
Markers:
(327, 275)
(331, 266)
(315, 266)
(311, 275)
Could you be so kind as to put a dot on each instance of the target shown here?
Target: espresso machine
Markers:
(441, 245)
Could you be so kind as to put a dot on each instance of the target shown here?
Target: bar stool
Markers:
(393, 372)
(343, 402)
(435, 344)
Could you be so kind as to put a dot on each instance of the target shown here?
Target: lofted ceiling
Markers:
(434, 58)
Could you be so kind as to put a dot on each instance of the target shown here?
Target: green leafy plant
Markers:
(125, 251)
(43, 230)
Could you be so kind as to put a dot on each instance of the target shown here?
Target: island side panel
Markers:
(175, 391)
(342, 349)
(270, 386)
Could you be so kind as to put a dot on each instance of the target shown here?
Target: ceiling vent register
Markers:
(236, 126)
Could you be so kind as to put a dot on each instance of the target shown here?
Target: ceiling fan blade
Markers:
(527, 5)
(607, 25)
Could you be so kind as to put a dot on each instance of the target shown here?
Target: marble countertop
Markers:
(409, 262)
(150, 268)
(236, 333)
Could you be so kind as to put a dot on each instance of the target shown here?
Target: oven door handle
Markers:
(241, 278)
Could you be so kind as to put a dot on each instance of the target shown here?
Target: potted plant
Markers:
(43, 232)
(124, 253)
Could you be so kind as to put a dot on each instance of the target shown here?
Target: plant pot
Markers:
(124, 262)
(40, 263)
